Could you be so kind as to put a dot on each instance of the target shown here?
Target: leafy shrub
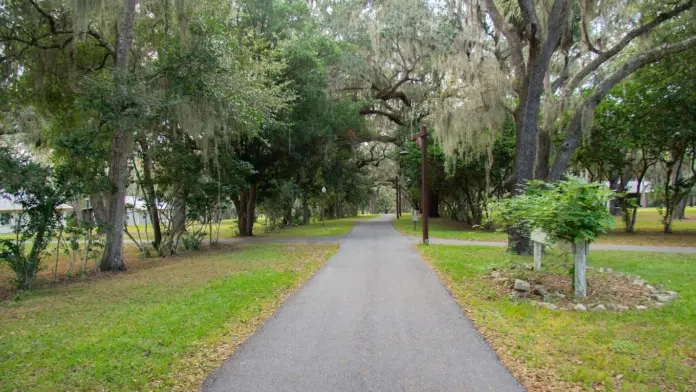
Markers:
(569, 210)
(35, 188)
(193, 241)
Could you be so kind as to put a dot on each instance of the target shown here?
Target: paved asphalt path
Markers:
(374, 318)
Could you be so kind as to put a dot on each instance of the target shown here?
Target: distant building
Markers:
(632, 190)
(136, 207)
(10, 212)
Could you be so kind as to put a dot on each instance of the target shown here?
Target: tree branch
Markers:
(532, 21)
(51, 20)
(627, 39)
(513, 40)
(394, 117)
(636, 62)
(102, 41)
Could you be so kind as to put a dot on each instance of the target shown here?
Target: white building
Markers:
(136, 207)
(646, 187)
(10, 211)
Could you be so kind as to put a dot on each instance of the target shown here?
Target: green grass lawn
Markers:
(140, 329)
(228, 228)
(653, 350)
(648, 226)
(330, 227)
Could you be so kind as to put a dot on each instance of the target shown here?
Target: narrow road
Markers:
(374, 318)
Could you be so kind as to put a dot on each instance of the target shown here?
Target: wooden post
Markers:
(422, 138)
(537, 255)
(398, 204)
(424, 202)
(579, 279)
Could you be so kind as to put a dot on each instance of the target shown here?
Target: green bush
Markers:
(569, 210)
(193, 241)
(38, 191)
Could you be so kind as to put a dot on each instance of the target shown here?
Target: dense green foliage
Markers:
(30, 185)
(569, 210)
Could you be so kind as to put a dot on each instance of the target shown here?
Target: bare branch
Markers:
(51, 20)
(394, 117)
(102, 41)
(636, 62)
(627, 39)
(513, 40)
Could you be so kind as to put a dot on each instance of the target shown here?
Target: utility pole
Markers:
(422, 138)
(398, 199)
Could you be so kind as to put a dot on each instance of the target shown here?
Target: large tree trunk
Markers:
(99, 209)
(112, 260)
(680, 211)
(543, 153)
(245, 204)
(149, 188)
(305, 209)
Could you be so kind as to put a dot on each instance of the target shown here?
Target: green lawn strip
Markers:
(648, 226)
(652, 350)
(446, 228)
(123, 332)
(228, 228)
(330, 227)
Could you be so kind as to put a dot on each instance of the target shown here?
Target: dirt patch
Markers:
(606, 289)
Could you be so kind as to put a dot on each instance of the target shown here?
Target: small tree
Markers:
(569, 210)
(32, 186)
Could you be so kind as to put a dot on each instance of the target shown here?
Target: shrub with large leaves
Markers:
(570, 210)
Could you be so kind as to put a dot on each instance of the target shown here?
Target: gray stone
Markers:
(660, 287)
(540, 290)
(652, 289)
(495, 274)
(638, 282)
(609, 270)
(611, 307)
(622, 307)
(599, 308)
(672, 294)
(619, 274)
(662, 297)
(521, 285)
(580, 308)
(529, 266)
(641, 307)
(548, 305)
(601, 269)
(660, 304)
(560, 295)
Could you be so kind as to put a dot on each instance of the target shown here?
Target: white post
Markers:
(537, 256)
(579, 249)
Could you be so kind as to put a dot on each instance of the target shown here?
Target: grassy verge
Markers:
(317, 229)
(648, 230)
(159, 326)
(228, 228)
(653, 350)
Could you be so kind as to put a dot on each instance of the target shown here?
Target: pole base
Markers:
(426, 241)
